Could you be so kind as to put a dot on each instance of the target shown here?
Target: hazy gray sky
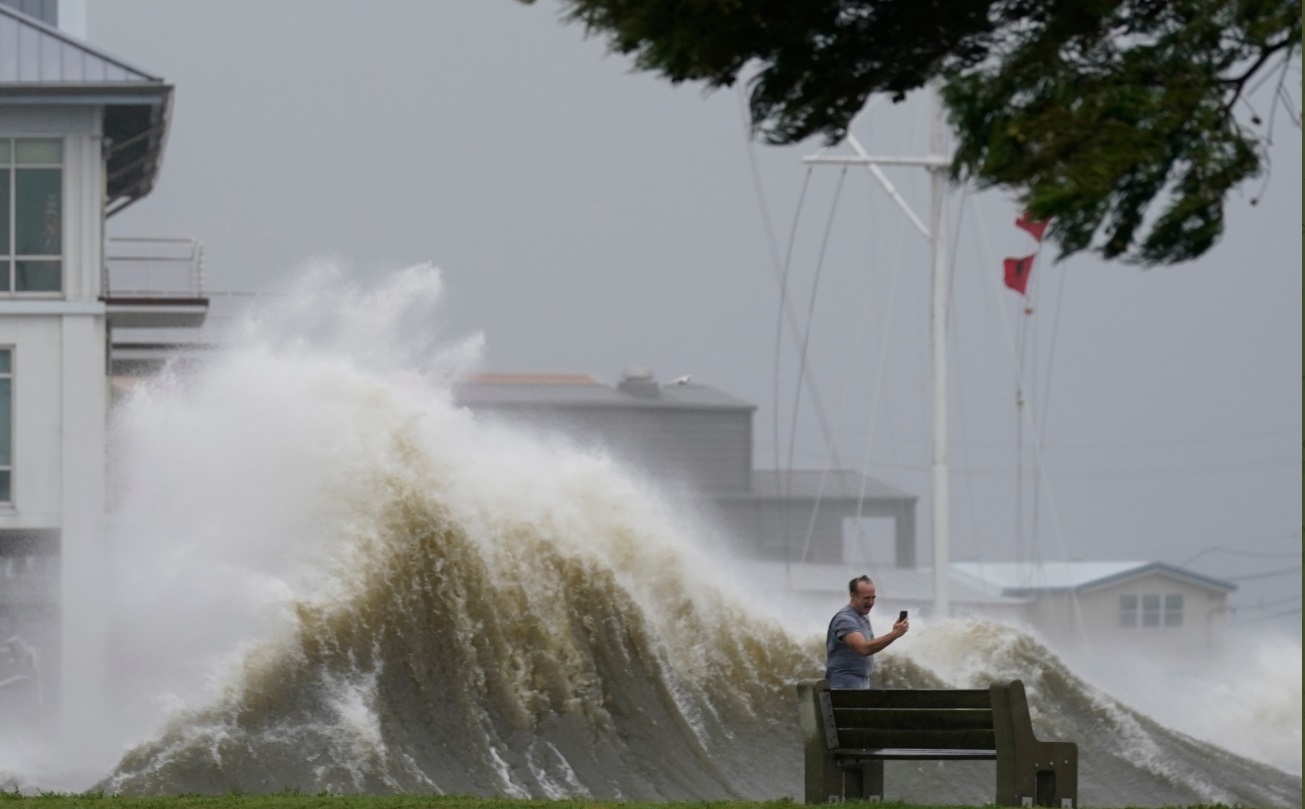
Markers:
(586, 218)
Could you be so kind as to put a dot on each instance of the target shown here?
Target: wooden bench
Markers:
(848, 735)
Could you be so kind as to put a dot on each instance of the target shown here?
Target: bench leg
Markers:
(872, 780)
(1047, 783)
(825, 783)
(863, 781)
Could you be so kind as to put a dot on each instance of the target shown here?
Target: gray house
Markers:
(698, 438)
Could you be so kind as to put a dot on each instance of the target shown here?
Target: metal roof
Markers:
(1021, 578)
(41, 65)
(904, 584)
(33, 52)
(544, 391)
(823, 484)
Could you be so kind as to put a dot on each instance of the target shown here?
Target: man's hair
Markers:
(851, 586)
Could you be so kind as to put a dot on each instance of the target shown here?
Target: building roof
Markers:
(43, 66)
(524, 391)
(1028, 578)
(823, 484)
(914, 584)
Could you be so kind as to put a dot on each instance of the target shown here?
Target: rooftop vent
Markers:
(639, 382)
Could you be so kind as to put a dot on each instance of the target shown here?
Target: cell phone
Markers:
(901, 616)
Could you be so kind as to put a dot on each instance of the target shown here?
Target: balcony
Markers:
(154, 283)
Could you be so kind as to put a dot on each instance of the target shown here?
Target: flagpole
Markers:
(938, 337)
(938, 164)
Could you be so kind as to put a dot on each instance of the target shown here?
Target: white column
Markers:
(83, 559)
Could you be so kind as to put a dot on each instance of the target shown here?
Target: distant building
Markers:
(1122, 605)
(791, 527)
(698, 438)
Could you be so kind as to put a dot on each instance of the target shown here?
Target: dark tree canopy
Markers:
(1114, 117)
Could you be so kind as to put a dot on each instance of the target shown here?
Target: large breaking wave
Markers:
(331, 578)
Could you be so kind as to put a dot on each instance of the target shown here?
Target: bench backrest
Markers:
(920, 719)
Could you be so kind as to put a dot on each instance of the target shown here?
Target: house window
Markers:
(6, 425)
(1128, 611)
(1173, 615)
(1151, 610)
(31, 216)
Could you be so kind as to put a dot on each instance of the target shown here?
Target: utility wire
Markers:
(1267, 575)
(1267, 604)
(1240, 552)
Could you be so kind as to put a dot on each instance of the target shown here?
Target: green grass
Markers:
(294, 800)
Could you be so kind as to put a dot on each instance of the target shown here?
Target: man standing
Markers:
(850, 644)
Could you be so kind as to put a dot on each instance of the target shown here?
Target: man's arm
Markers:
(858, 643)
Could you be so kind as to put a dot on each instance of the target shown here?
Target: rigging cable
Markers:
(785, 303)
(779, 329)
(876, 398)
(780, 269)
(1045, 402)
(877, 393)
(811, 311)
(1058, 527)
(964, 442)
(864, 470)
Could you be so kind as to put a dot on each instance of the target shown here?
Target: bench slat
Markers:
(896, 718)
(924, 739)
(854, 754)
(910, 698)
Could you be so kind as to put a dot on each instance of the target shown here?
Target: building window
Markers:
(1128, 611)
(6, 425)
(31, 216)
(1173, 615)
(1151, 610)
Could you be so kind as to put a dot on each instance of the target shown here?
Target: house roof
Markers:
(1028, 578)
(43, 66)
(914, 584)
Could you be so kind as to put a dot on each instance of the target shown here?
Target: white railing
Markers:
(141, 267)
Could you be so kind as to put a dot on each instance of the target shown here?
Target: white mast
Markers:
(937, 164)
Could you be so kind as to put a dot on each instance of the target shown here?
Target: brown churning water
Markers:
(348, 584)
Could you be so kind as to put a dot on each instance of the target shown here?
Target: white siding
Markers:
(40, 121)
(1094, 616)
(83, 218)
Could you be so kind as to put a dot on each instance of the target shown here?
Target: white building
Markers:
(81, 137)
(1123, 606)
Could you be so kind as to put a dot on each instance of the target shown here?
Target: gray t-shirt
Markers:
(844, 666)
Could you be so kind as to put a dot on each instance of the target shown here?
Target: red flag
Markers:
(1034, 228)
(1017, 272)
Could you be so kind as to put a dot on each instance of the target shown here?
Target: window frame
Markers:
(1151, 610)
(7, 425)
(10, 258)
(1128, 611)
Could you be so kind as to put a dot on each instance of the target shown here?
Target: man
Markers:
(850, 643)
